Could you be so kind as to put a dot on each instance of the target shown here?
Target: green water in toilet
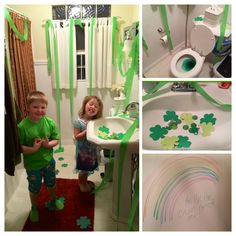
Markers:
(188, 64)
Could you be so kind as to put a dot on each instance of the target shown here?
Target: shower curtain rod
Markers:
(17, 12)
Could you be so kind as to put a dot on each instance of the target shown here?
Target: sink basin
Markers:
(107, 132)
(201, 124)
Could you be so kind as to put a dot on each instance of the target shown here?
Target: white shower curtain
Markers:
(62, 29)
(102, 53)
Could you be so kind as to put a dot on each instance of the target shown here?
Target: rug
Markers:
(77, 215)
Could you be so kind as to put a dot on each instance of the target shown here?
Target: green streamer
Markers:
(145, 46)
(21, 37)
(120, 56)
(49, 57)
(71, 48)
(114, 30)
(202, 92)
(134, 203)
(122, 152)
(152, 92)
(166, 26)
(128, 85)
(78, 22)
(222, 28)
(92, 23)
(58, 97)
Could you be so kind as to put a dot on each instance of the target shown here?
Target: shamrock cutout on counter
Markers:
(169, 143)
(207, 129)
(171, 115)
(158, 132)
(183, 142)
(208, 118)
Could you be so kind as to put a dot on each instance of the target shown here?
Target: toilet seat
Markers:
(202, 43)
(188, 74)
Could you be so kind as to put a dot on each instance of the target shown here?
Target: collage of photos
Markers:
(117, 117)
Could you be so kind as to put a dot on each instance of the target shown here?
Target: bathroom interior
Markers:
(115, 82)
(186, 115)
(198, 44)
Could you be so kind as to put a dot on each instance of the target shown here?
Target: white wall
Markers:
(151, 22)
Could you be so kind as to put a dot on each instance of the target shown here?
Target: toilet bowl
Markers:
(188, 62)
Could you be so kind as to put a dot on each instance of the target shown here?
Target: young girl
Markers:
(38, 136)
(86, 152)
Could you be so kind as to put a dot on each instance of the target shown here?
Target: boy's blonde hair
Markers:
(36, 96)
(85, 101)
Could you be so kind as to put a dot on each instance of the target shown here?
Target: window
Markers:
(81, 75)
(63, 12)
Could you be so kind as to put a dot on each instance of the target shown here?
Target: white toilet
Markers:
(188, 62)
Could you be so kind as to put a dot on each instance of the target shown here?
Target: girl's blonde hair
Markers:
(36, 96)
(85, 101)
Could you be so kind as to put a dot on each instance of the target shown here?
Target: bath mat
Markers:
(77, 215)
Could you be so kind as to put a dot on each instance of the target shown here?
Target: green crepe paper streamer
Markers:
(71, 66)
(202, 92)
(58, 97)
(222, 27)
(78, 22)
(122, 152)
(152, 92)
(134, 204)
(49, 58)
(128, 85)
(134, 53)
(166, 26)
(21, 37)
(92, 22)
(120, 58)
(114, 30)
(145, 46)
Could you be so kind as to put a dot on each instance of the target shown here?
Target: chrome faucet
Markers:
(133, 109)
(182, 87)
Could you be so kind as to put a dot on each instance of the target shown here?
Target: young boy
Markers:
(38, 136)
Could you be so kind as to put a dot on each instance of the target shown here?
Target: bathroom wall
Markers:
(151, 22)
(39, 13)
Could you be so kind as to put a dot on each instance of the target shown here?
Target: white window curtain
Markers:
(102, 53)
(62, 29)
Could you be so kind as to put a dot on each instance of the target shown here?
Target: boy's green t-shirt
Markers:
(28, 132)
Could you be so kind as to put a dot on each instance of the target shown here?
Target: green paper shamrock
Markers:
(104, 129)
(84, 222)
(57, 172)
(208, 118)
(60, 158)
(194, 129)
(170, 115)
(169, 143)
(158, 132)
(173, 125)
(207, 129)
(187, 118)
(64, 165)
(120, 136)
(50, 205)
(183, 142)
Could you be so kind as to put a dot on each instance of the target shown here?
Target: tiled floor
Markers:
(18, 208)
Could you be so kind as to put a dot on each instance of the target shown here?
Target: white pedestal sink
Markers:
(116, 126)
(156, 111)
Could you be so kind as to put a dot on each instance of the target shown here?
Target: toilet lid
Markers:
(202, 39)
